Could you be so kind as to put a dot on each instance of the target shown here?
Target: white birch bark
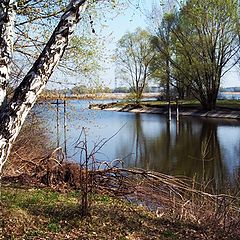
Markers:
(13, 116)
(7, 16)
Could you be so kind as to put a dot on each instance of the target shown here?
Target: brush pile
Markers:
(170, 197)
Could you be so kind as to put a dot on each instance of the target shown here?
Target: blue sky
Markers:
(128, 20)
(116, 26)
(111, 29)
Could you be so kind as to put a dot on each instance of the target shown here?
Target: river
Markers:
(207, 149)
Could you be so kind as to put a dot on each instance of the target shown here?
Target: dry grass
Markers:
(31, 145)
(30, 213)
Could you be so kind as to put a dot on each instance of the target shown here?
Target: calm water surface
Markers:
(205, 148)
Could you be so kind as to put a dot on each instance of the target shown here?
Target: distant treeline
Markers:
(83, 89)
(230, 89)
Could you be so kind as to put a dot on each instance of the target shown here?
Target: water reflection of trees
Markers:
(198, 152)
(191, 148)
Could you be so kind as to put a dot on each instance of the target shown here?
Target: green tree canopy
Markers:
(207, 39)
(202, 45)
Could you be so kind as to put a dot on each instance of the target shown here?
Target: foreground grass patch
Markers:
(45, 214)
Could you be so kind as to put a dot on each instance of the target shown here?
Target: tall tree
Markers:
(207, 42)
(134, 55)
(7, 14)
(162, 42)
(14, 112)
(162, 21)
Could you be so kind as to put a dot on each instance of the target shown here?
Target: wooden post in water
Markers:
(57, 103)
(65, 125)
(177, 116)
(169, 111)
(177, 109)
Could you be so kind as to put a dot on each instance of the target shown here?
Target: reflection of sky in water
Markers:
(149, 141)
(152, 124)
(230, 146)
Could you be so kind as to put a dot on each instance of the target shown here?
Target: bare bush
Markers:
(31, 145)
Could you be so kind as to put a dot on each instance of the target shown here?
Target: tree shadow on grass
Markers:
(106, 219)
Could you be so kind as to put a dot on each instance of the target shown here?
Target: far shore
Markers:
(184, 110)
(231, 110)
(95, 96)
(105, 96)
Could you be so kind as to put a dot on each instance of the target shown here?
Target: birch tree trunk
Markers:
(14, 113)
(7, 15)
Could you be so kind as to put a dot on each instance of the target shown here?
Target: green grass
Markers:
(190, 103)
(35, 213)
(31, 213)
(229, 103)
(21, 198)
(169, 234)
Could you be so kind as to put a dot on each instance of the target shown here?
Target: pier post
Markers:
(177, 109)
(57, 103)
(169, 111)
(65, 126)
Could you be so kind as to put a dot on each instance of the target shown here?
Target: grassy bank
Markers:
(228, 109)
(44, 214)
(183, 103)
(195, 103)
(33, 213)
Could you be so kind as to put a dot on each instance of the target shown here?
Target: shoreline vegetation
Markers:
(228, 109)
(102, 96)
(45, 203)
(92, 96)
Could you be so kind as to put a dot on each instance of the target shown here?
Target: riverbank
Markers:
(43, 201)
(41, 213)
(222, 111)
(32, 213)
